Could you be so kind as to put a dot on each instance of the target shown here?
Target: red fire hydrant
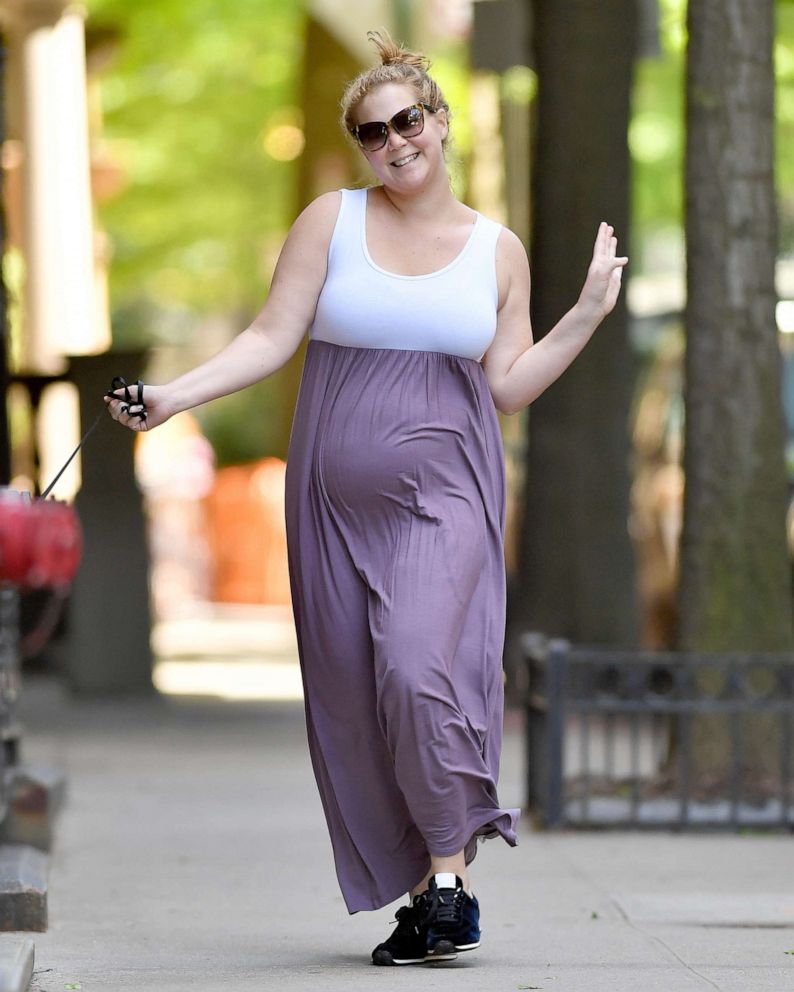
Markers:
(40, 541)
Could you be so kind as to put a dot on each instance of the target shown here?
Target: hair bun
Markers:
(391, 53)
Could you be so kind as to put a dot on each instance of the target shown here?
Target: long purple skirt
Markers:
(395, 500)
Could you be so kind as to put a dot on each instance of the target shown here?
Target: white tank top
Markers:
(361, 305)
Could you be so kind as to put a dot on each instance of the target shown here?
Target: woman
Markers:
(417, 309)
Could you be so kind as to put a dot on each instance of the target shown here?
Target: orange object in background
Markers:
(248, 535)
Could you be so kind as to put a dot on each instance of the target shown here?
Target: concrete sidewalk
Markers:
(192, 855)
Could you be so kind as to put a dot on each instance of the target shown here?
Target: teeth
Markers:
(408, 158)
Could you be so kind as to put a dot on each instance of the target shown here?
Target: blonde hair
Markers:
(397, 65)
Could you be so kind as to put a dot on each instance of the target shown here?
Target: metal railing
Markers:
(658, 739)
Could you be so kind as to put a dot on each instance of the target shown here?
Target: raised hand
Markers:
(602, 285)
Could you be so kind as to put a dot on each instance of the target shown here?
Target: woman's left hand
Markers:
(602, 285)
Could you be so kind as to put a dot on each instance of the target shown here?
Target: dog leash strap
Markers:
(85, 437)
(118, 383)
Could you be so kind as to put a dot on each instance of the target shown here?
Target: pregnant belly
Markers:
(419, 468)
(406, 499)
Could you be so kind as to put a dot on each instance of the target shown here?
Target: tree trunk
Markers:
(735, 589)
(575, 561)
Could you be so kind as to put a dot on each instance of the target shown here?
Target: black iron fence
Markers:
(658, 739)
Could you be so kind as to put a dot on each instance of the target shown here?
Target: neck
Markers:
(435, 199)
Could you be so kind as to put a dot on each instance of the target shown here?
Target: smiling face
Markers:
(404, 163)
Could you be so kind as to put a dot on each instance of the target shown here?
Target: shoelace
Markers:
(446, 909)
(407, 920)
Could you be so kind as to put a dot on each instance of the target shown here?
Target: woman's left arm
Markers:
(517, 370)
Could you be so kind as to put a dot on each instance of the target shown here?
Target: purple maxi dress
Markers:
(395, 508)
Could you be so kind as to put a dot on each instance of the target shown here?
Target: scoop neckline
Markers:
(400, 275)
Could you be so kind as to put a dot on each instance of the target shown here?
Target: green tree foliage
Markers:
(200, 107)
(657, 139)
(192, 100)
(784, 71)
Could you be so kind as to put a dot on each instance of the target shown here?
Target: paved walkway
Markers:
(192, 855)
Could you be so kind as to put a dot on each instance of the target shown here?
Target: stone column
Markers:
(108, 650)
(48, 78)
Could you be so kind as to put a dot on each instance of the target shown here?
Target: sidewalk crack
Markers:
(660, 940)
(576, 870)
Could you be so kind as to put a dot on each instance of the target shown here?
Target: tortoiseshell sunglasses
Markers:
(407, 123)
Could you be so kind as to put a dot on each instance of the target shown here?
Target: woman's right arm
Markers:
(271, 338)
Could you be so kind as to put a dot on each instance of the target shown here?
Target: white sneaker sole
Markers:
(440, 957)
(385, 959)
(448, 953)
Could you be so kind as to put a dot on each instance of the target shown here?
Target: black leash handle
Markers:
(121, 383)
(117, 383)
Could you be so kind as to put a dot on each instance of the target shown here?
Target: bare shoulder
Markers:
(309, 237)
(304, 256)
(319, 217)
(512, 264)
(510, 249)
(300, 273)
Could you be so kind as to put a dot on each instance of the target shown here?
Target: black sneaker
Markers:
(452, 920)
(407, 945)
